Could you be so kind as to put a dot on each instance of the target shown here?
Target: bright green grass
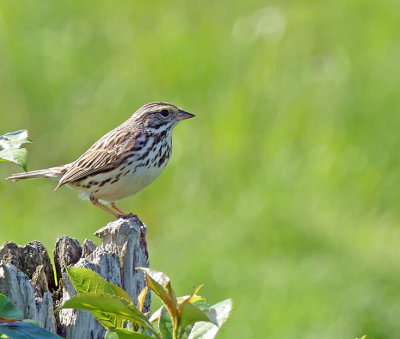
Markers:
(283, 193)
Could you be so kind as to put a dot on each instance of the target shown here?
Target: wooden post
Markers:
(27, 275)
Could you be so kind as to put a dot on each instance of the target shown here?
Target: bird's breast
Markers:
(127, 178)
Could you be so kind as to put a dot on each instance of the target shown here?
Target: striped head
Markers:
(159, 116)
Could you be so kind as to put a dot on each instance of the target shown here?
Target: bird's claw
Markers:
(127, 216)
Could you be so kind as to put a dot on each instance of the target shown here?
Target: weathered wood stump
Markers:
(27, 275)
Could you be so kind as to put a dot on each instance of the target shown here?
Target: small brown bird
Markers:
(122, 162)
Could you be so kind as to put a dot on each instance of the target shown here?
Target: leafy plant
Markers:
(10, 144)
(187, 317)
(12, 324)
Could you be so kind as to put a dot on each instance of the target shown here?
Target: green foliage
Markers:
(160, 284)
(108, 304)
(283, 192)
(125, 334)
(111, 306)
(10, 150)
(23, 330)
(88, 281)
(12, 324)
(218, 314)
(8, 309)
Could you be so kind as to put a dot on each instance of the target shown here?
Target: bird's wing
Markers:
(106, 152)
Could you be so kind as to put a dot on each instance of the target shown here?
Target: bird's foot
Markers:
(127, 216)
(143, 241)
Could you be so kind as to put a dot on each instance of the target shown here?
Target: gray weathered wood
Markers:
(18, 288)
(26, 274)
(27, 258)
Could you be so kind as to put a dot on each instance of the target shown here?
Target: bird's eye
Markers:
(164, 113)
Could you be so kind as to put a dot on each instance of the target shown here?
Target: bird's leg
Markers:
(95, 202)
(123, 214)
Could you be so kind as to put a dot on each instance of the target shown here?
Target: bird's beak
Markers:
(182, 115)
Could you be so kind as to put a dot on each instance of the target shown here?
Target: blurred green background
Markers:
(282, 193)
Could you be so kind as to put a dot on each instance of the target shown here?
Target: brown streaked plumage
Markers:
(123, 161)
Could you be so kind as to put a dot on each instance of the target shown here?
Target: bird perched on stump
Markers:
(122, 162)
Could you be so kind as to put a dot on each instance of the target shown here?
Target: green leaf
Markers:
(197, 299)
(190, 314)
(88, 281)
(125, 334)
(191, 298)
(219, 313)
(10, 150)
(165, 324)
(31, 321)
(23, 330)
(112, 335)
(109, 321)
(142, 298)
(14, 139)
(155, 315)
(8, 309)
(108, 304)
(16, 155)
(160, 284)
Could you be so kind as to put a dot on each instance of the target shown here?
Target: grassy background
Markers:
(282, 193)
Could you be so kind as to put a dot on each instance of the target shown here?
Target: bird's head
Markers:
(160, 115)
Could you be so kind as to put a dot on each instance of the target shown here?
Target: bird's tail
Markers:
(53, 173)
